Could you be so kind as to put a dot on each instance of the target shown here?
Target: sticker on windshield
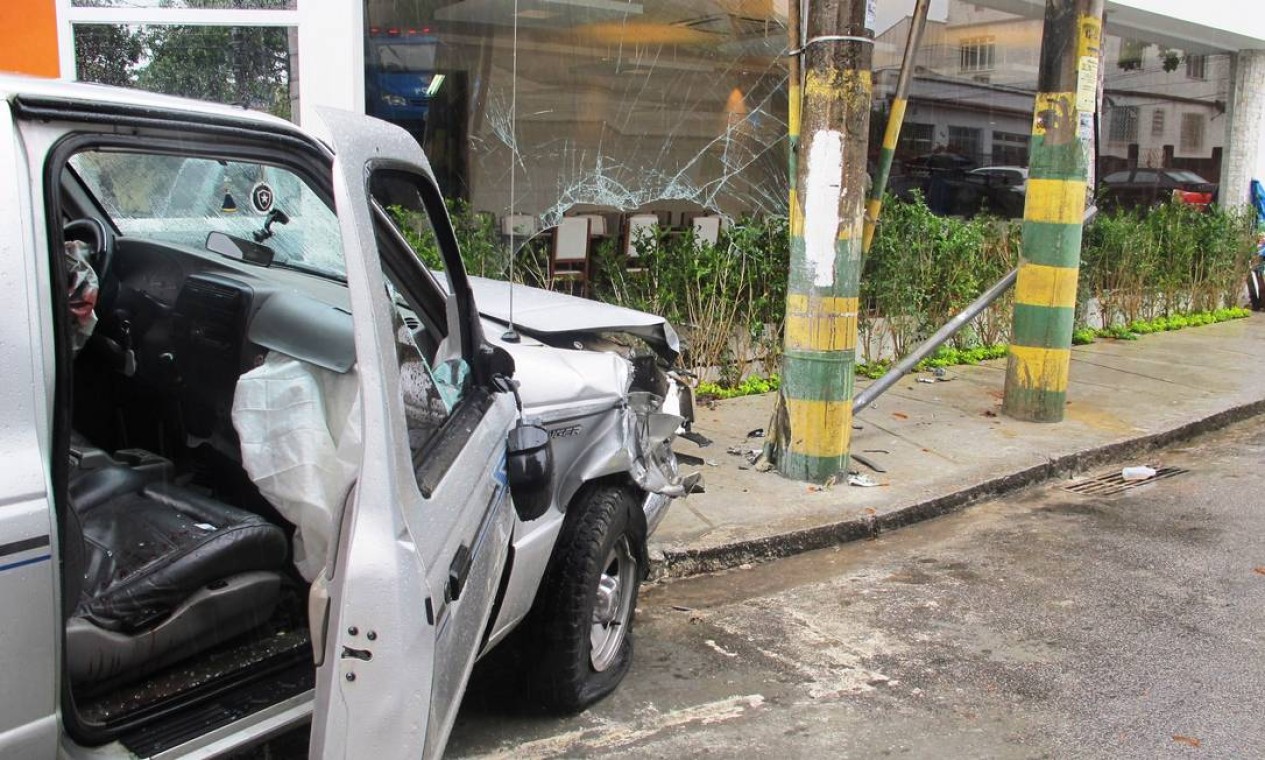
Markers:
(261, 197)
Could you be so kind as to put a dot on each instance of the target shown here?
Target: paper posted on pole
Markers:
(1087, 84)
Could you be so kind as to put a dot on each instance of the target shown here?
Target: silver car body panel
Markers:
(544, 312)
(28, 539)
(397, 546)
(598, 428)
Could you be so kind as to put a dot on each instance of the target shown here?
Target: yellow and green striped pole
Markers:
(895, 120)
(1045, 293)
(794, 103)
(826, 220)
(794, 94)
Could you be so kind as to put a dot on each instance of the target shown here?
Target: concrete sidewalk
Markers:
(944, 445)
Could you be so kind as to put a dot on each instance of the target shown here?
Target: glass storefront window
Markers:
(238, 65)
(678, 107)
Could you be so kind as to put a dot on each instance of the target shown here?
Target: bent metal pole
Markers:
(1045, 292)
(895, 120)
(948, 330)
(928, 347)
(826, 220)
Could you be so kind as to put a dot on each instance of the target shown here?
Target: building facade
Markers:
(543, 107)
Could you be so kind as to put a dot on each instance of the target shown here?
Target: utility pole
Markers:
(1058, 168)
(895, 120)
(826, 221)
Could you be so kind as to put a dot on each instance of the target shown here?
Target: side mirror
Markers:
(529, 469)
(495, 361)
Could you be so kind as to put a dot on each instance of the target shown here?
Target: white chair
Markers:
(597, 224)
(518, 225)
(641, 227)
(706, 230)
(569, 259)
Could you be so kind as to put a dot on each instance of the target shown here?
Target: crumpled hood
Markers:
(555, 381)
(544, 313)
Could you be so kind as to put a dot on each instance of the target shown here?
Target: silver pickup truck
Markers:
(262, 467)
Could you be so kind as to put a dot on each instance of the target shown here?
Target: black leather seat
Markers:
(166, 572)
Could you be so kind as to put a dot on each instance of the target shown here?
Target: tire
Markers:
(582, 643)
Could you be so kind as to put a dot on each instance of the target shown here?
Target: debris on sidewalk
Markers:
(699, 439)
(862, 481)
(750, 455)
(830, 481)
(757, 433)
(867, 462)
(688, 459)
(1139, 472)
(927, 380)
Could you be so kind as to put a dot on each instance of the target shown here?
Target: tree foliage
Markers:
(239, 65)
(107, 53)
(247, 66)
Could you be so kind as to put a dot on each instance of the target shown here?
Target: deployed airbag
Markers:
(299, 427)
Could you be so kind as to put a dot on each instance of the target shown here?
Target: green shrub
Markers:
(1173, 267)
(1169, 260)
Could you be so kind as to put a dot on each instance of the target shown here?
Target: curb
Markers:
(671, 563)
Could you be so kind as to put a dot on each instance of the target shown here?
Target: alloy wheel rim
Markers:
(612, 606)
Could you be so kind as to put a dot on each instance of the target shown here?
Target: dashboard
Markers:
(194, 321)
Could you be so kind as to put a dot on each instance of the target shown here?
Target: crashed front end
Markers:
(601, 380)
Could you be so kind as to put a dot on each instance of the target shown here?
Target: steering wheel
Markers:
(94, 233)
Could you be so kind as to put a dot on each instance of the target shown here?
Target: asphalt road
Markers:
(1043, 625)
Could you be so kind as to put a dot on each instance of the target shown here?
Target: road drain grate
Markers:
(1113, 482)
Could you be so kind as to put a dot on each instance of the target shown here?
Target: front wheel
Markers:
(583, 624)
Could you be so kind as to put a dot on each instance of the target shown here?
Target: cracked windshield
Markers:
(178, 199)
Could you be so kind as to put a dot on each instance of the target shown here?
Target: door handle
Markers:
(458, 573)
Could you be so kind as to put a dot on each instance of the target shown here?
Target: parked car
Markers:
(944, 161)
(950, 186)
(1013, 177)
(262, 467)
(1146, 188)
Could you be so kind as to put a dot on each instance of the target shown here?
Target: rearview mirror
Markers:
(529, 469)
(239, 249)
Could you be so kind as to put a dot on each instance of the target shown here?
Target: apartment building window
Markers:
(1010, 149)
(1192, 132)
(1157, 123)
(967, 141)
(916, 139)
(1197, 66)
(978, 54)
(1124, 124)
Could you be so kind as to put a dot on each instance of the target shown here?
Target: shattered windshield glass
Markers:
(179, 199)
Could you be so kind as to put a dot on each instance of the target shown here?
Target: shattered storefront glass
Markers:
(678, 107)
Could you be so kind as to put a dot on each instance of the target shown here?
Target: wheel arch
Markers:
(637, 527)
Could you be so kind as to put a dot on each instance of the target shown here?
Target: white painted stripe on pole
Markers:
(821, 204)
